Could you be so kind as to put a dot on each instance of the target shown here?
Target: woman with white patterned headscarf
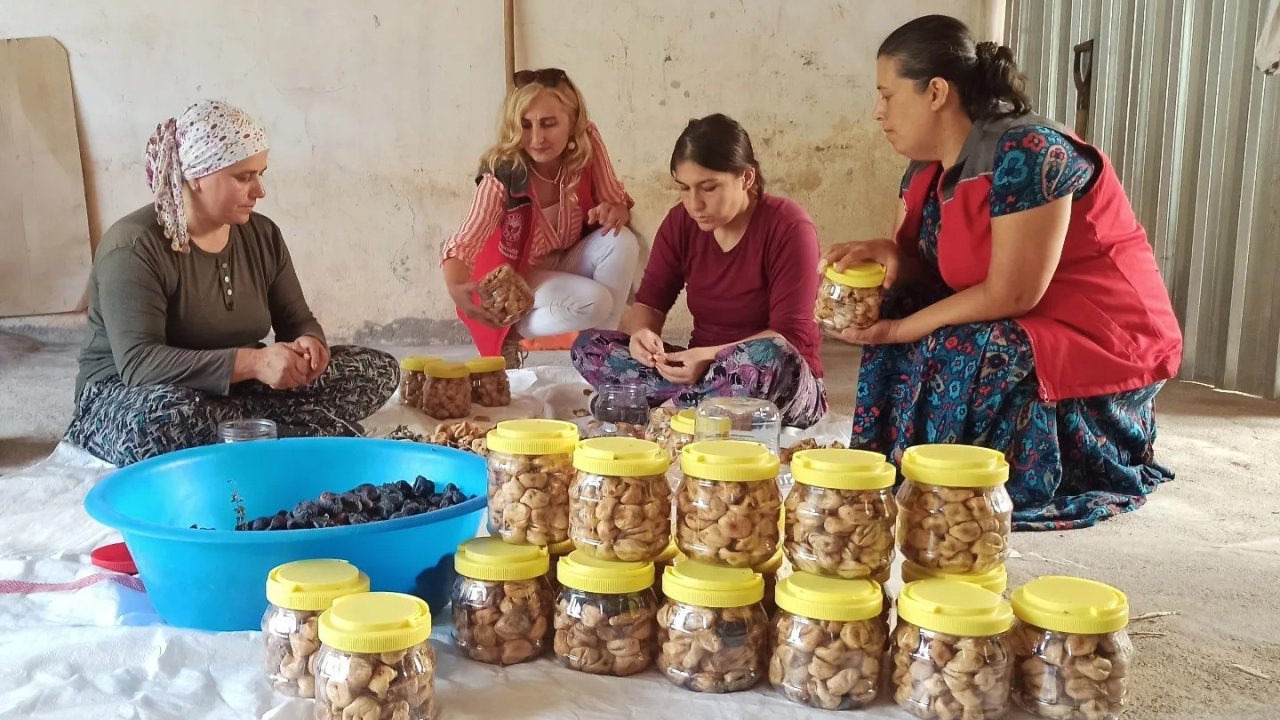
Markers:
(181, 295)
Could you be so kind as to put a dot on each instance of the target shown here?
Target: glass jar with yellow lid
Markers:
(850, 299)
(619, 500)
(605, 616)
(728, 507)
(501, 601)
(530, 468)
(840, 513)
(490, 386)
(297, 592)
(446, 391)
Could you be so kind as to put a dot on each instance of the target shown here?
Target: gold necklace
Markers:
(534, 168)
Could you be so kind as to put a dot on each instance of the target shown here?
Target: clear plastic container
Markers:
(997, 580)
(446, 391)
(375, 659)
(245, 430)
(619, 501)
(490, 386)
(671, 430)
(298, 592)
(1071, 649)
(951, 655)
(617, 410)
(840, 513)
(501, 601)
(829, 642)
(728, 508)
(713, 633)
(954, 513)
(605, 621)
(505, 294)
(739, 419)
(850, 299)
(413, 377)
(530, 469)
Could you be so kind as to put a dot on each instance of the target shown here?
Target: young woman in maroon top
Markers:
(747, 263)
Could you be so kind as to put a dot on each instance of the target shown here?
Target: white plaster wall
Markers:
(378, 111)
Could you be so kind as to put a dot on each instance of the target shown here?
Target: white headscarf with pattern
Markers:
(209, 136)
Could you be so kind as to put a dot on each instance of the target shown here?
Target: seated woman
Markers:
(748, 263)
(541, 188)
(181, 293)
(1027, 314)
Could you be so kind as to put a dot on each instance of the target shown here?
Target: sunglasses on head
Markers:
(549, 77)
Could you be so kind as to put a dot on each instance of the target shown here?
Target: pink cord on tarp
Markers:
(22, 587)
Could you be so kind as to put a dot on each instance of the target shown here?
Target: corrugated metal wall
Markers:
(1194, 131)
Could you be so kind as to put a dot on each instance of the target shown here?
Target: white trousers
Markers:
(583, 287)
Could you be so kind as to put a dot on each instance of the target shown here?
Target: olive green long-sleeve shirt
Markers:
(161, 317)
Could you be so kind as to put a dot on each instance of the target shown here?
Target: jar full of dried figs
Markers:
(605, 620)
(954, 513)
(712, 631)
(951, 655)
(375, 659)
(850, 299)
(619, 501)
(412, 379)
(1071, 650)
(446, 392)
(490, 386)
(829, 641)
(997, 580)
(728, 505)
(530, 468)
(840, 513)
(298, 592)
(501, 601)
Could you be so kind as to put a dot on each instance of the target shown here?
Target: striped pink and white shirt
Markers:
(487, 209)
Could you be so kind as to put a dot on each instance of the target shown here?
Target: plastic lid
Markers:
(728, 461)
(772, 565)
(583, 572)
(1071, 605)
(561, 548)
(375, 622)
(620, 456)
(444, 369)
(696, 583)
(828, 598)
(533, 437)
(684, 421)
(490, 558)
(417, 363)
(843, 469)
(995, 580)
(313, 584)
(955, 608)
(114, 557)
(955, 465)
(862, 275)
(487, 364)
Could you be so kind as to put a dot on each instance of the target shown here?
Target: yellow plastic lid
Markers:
(1071, 605)
(620, 456)
(375, 622)
(828, 598)
(561, 548)
(313, 584)
(862, 275)
(413, 363)
(490, 558)
(697, 583)
(446, 370)
(955, 466)
(995, 580)
(583, 572)
(487, 364)
(843, 469)
(683, 421)
(533, 437)
(772, 565)
(955, 608)
(728, 461)
(668, 555)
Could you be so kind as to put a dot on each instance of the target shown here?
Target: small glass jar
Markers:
(446, 391)
(605, 621)
(501, 601)
(617, 410)
(233, 431)
(850, 299)
(298, 592)
(997, 580)
(713, 633)
(412, 378)
(1071, 649)
(731, 418)
(490, 386)
(530, 468)
(829, 641)
(951, 657)
(728, 507)
(840, 513)
(375, 659)
(619, 501)
(954, 513)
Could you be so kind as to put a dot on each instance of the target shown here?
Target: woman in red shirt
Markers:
(746, 261)
(1027, 314)
(540, 190)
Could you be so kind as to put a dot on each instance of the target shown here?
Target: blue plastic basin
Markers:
(215, 579)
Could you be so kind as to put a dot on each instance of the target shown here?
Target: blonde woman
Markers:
(549, 204)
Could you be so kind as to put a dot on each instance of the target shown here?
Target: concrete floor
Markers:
(1206, 547)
